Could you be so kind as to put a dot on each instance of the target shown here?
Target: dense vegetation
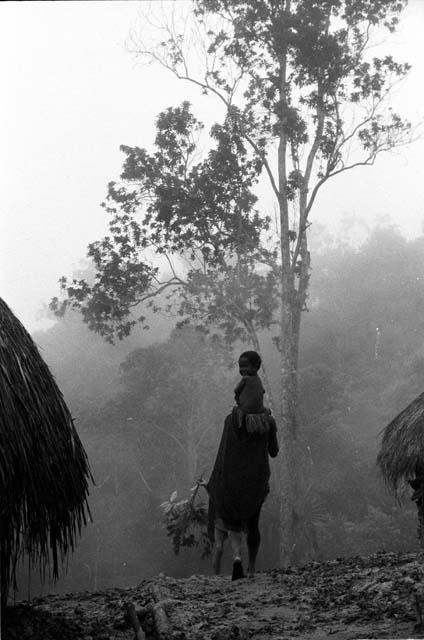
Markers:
(305, 100)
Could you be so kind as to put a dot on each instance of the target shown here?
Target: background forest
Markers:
(150, 410)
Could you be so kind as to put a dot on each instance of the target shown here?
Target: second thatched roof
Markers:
(402, 446)
(44, 471)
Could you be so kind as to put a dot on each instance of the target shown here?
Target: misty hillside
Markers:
(241, 176)
(86, 366)
(150, 410)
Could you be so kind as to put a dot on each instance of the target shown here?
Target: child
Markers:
(249, 394)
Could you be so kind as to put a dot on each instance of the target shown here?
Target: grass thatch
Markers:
(44, 472)
(402, 446)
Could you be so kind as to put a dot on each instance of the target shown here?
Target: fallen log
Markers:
(160, 616)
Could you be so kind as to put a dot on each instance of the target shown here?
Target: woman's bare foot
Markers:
(238, 572)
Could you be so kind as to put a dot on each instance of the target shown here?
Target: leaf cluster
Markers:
(186, 523)
(302, 63)
(235, 299)
(195, 218)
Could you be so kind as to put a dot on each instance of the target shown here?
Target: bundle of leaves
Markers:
(187, 522)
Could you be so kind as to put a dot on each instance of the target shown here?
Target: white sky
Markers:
(72, 94)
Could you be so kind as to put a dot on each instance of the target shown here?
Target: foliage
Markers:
(199, 220)
(354, 380)
(378, 530)
(324, 48)
(156, 434)
(297, 65)
(291, 74)
(296, 74)
(177, 409)
(182, 388)
(186, 522)
(285, 71)
(299, 74)
(157, 431)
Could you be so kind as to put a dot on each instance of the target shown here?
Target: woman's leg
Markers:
(235, 539)
(220, 537)
(253, 541)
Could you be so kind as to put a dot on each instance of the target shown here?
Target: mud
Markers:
(377, 597)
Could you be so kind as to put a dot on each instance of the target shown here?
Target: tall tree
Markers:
(184, 237)
(296, 77)
(304, 102)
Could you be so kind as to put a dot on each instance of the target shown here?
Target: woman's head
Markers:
(249, 363)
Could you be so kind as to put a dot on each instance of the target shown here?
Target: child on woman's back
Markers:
(249, 394)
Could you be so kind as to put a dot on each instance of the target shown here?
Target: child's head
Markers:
(249, 363)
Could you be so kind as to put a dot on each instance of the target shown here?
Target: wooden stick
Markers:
(139, 633)
(162, 622)
(163, 627)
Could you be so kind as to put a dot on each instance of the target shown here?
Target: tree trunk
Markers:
(192, 456)
(288, 471)
(288, 446)
(264, 374)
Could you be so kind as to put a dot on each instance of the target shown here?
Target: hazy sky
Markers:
(72, 94)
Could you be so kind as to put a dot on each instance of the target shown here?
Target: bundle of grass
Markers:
(401, 458)
(44, 471)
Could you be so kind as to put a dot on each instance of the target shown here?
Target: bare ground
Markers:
(381, 596)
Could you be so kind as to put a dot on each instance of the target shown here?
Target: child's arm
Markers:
(239, 388)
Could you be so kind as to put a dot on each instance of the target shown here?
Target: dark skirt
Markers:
(239, 482)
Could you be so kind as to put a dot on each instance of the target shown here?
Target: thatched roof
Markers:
(44, 472)
(402, 445)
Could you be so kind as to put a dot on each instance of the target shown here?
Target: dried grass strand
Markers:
(402, 445)
(44, 470)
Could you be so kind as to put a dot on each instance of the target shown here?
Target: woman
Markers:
(238, 487)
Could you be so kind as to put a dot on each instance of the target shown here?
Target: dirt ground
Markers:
(377, 597)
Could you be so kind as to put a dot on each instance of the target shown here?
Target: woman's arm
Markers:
(273, 447)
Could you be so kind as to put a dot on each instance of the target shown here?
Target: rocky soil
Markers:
(381, 596)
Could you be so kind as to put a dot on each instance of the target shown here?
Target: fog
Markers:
(75, 94)
(150, 409)
(133, 405)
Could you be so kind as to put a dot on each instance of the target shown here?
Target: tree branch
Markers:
(206, 86)
(368, 162)
(303, 214)
(170, 435)
(265, 163)
(156, 292)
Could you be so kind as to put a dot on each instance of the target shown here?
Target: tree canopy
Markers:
(305, 100)
(198, 220)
